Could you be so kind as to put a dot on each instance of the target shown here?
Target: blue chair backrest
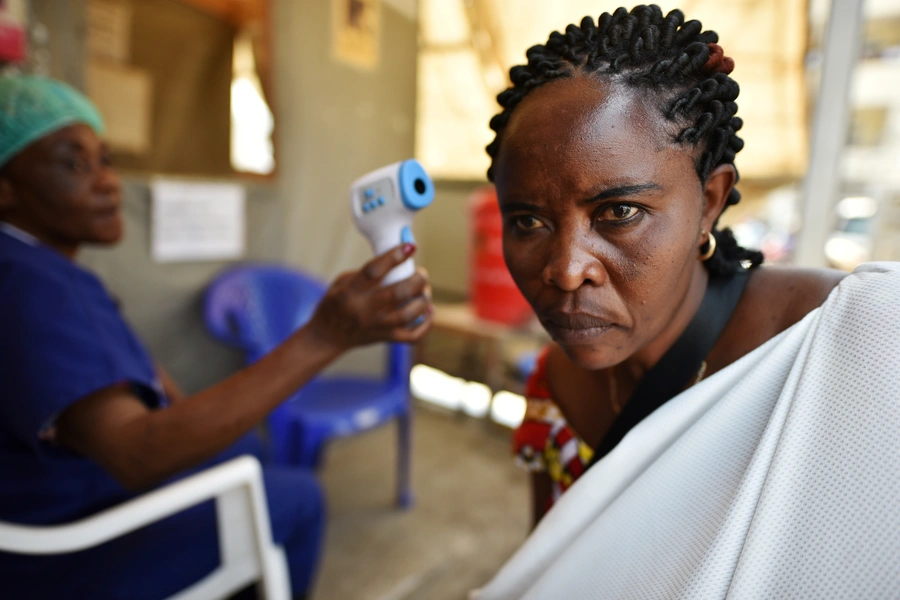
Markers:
(256, 307)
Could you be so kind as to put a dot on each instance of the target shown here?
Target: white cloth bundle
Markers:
(777, 477)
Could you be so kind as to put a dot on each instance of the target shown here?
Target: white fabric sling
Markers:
(777, 477)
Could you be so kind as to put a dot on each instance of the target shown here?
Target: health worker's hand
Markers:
(357, 310)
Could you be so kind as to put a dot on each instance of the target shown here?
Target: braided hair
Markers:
(674, 58)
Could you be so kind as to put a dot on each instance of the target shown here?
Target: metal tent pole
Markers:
(830, 127)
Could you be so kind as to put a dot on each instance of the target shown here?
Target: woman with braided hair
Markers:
(613, 160)
(760, 404)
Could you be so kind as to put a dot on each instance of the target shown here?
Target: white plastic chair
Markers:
(245, 539)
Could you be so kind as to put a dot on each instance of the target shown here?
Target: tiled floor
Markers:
(470, 513)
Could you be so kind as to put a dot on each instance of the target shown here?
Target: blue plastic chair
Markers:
(255, 308)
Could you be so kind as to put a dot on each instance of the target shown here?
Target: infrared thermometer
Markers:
(383, 204)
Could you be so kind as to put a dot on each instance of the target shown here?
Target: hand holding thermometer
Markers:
(383, 204)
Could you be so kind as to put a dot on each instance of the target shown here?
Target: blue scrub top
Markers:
(61, 338)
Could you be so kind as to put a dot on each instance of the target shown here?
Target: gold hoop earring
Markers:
(711, 241)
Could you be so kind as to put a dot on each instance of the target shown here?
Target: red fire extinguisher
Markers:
(493, 293)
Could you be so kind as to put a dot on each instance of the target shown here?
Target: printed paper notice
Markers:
(197, 221)
(123, 96)
(109, 30)
(356, 32)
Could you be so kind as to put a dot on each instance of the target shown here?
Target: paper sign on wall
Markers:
(356, 32)
(109, 30)
(197, 221)
(124, 97)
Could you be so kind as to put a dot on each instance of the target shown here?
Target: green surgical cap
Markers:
(32, 107)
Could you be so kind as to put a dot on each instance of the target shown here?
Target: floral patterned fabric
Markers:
(545, 442)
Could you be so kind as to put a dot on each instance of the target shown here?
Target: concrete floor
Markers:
(471, 512)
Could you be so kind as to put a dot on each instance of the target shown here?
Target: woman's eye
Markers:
(527, 223)
(620, 212)
(77, 164)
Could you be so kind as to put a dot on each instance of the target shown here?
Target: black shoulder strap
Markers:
(681, 362)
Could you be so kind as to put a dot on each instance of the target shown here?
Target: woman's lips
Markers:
(108, 211)
(576, 328)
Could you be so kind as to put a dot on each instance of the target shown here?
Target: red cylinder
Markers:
(493, 293)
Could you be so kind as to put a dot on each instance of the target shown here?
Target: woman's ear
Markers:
(715, 194)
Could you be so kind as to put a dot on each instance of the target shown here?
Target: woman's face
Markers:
(602, 217)
(62, 190)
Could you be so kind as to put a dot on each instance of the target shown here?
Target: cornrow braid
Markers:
(645, 50)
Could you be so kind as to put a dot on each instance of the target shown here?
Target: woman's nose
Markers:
(572, 263)
(107, 180)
